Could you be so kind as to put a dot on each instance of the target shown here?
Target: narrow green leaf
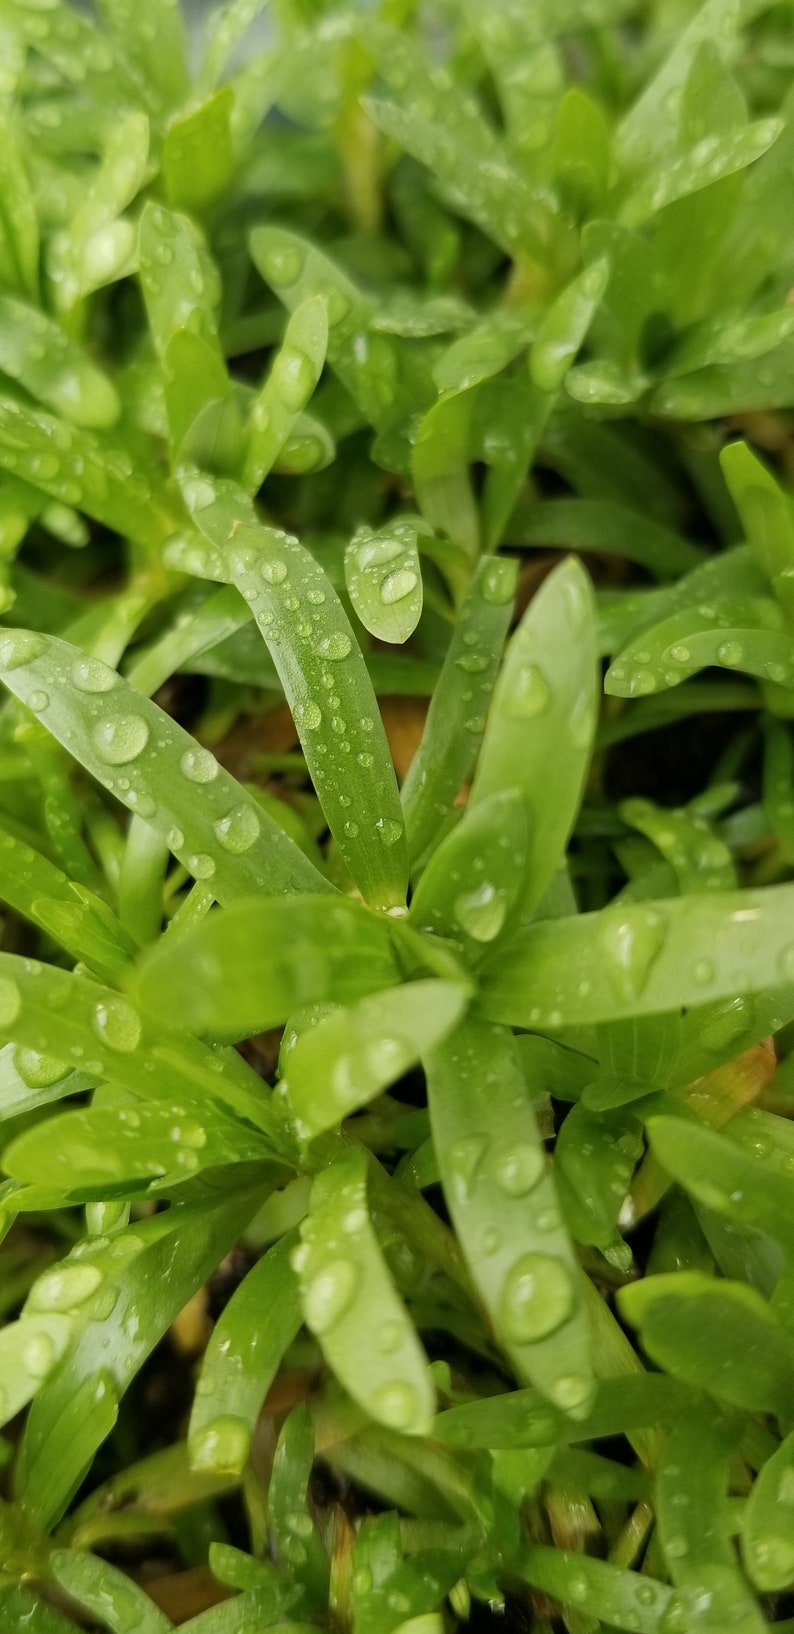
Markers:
(35, 351)
(701, 861)
(247, 969)
(651, 120)
(63, 1016)
(778, 791)
(714, 157)
(34, 1615)
(722, 341)
(727, 389)
(716, 1336)
(523, 1418)
(104, 1591)
(581, 153)
(731, 1181)
(155, 768)
(501, 1195)
(159, 1264)
(151, 35)
(179, 304)
(443, 127)
(293, 1529)
(565, 325)
(695, 1525)
(384, 577)
(474, 878)
(452, 733)
(351, 1305)
(289, 386)
(542, 723)
(29, 1349)
(599, 525)
(158, 1145)
(625, 1600)
(73, 45)
(325, 681)
(352, 1055)
(365, 362)
(595, 1155)
(241, 1361)
(765, 510)
(641, 959)
(78, 467)
(197, 158)
(19, 228)
(98, 245)
(440, 470)
(226, 26)
(766, 1531)
(29, 1078)
(744, 636)
(82, 922)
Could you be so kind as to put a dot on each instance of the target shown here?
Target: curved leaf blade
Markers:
(155, 768)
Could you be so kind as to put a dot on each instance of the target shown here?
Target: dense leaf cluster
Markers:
(376, 980)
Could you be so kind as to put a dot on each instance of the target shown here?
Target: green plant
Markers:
(300, 354)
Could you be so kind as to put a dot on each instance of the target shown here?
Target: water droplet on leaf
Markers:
(537, 1297)
(329, 1294)
(120, 739)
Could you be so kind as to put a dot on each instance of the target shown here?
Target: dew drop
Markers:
(389, 1337)
(10, 1001)
(201, 865)
(396, 586)
(397, 1404)
(630, 947)
(293, 377)
(221, 1446)
(91, 675)
(530, 695)
(283, 264)
(473, 663)
(329, 1294)
(572, 1391)
(730, 653)
(120, 739)
(38, 701)
(642, 682)
(64, 1288)
(18, 648)
(465, 1157)
(37, 1070)
(199, 765)
(519, 1169)
(582, 719)
(275, 571)
(39, 1354)
(335, 646)
(537, 1297)
(118, 1026)
(680, 655)
(498, 583)
(481, 913)
(238, 830)
(388, 830)
(175, 839)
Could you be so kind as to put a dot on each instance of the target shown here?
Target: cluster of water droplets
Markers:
(331, 1262)
(536, 1286)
